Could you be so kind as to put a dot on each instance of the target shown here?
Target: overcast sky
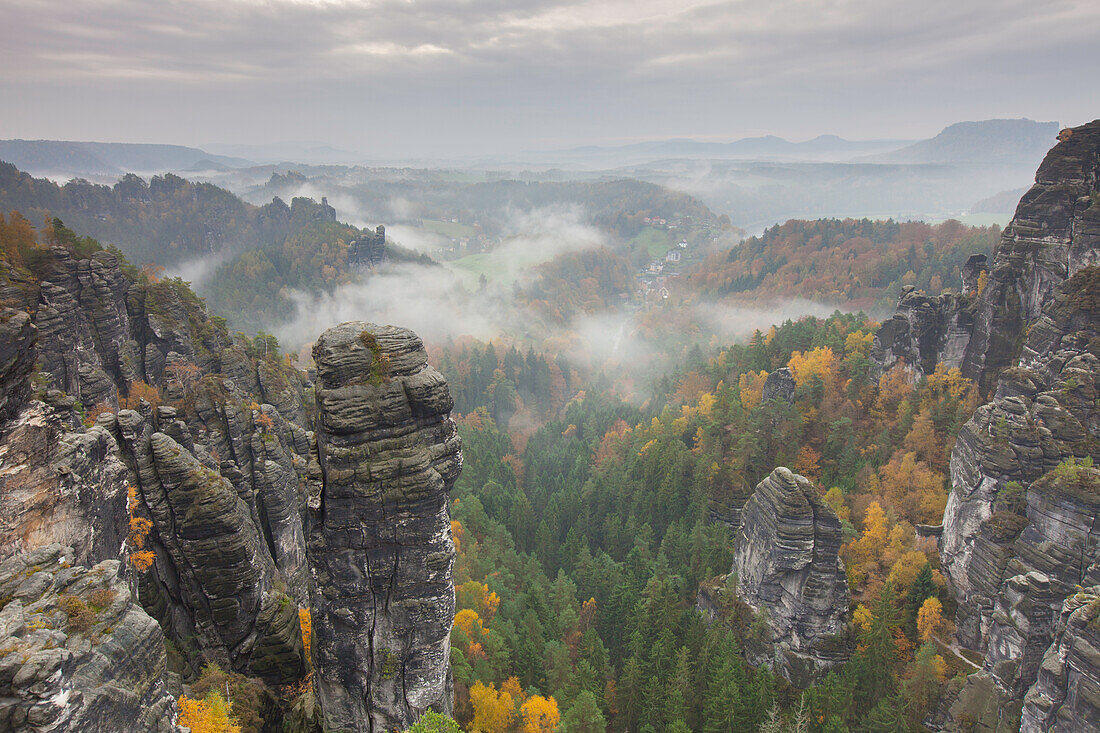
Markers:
(408, 77)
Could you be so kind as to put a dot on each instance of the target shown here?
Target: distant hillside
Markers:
(767, 147)
(1020, 142)
(245, 255)
(999, 203)
(859, 263)
(67, 158)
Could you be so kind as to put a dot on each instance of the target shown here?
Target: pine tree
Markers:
(584, 716)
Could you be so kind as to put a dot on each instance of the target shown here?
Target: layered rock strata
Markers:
(788, 569)
(1054, 234)
(79, 655)
(1043, 414)
(61, 484)
(1066, 695)
(221, 476)
(214, 581)
(1018, 533)
(379, 542)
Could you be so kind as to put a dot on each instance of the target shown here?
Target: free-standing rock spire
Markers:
(789, 569)
(379, 540)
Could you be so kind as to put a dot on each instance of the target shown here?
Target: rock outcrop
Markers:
(788, 568)
(61, 484)
(215, 581)
(1018, 533)
(1054, 234)
(1043, 414)
(779, 385)
(1066, 696)
(379, 541)
(17, 338)
(925, 331)
(220, 476)
(79, 655)
(369, 249)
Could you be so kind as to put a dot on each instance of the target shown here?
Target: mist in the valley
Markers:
(199, 271)
(448, 301)
(734, 323)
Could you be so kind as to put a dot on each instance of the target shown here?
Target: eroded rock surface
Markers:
(1054, 234)
(79, 654)
(779, 385)
(1019, 531)
(788, 568)
(1043, 414)
(380, 547)
(1066, 695)
(215, 581)
(61, 484)
(220, 475)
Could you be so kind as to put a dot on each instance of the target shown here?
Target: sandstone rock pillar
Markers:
(380, 550)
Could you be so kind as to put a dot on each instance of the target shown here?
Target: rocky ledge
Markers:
(380, 549)
(788, 570)
(79, 654)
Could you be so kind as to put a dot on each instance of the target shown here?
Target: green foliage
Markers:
(1012, 498)
(390, 665)
(610, 502)
(584, 716)
(433, 722)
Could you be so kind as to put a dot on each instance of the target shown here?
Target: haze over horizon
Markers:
(394, 78)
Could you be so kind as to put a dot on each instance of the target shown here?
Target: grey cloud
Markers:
(398, 76)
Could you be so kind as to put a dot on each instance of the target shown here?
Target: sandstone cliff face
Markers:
(1066, 696)
(61, 484)
(78, 654)
(214, 578)
(926, 330)
(788, 567)
(221, 477)
(1054, 234)
(1043, 413)
(1018, 532)
(379, 542)
(17, 337)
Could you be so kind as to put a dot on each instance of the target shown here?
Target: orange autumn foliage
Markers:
(513, 688)
(493, 711)
(751, 387)
(930, 618)
(211, 715)
(101, 408)
(141, 559)
(305, 619)
(137, 392)
(468, 620)
(540, 715)
(819, 363)
(477, 596)
(456, 533)
(913, 489)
